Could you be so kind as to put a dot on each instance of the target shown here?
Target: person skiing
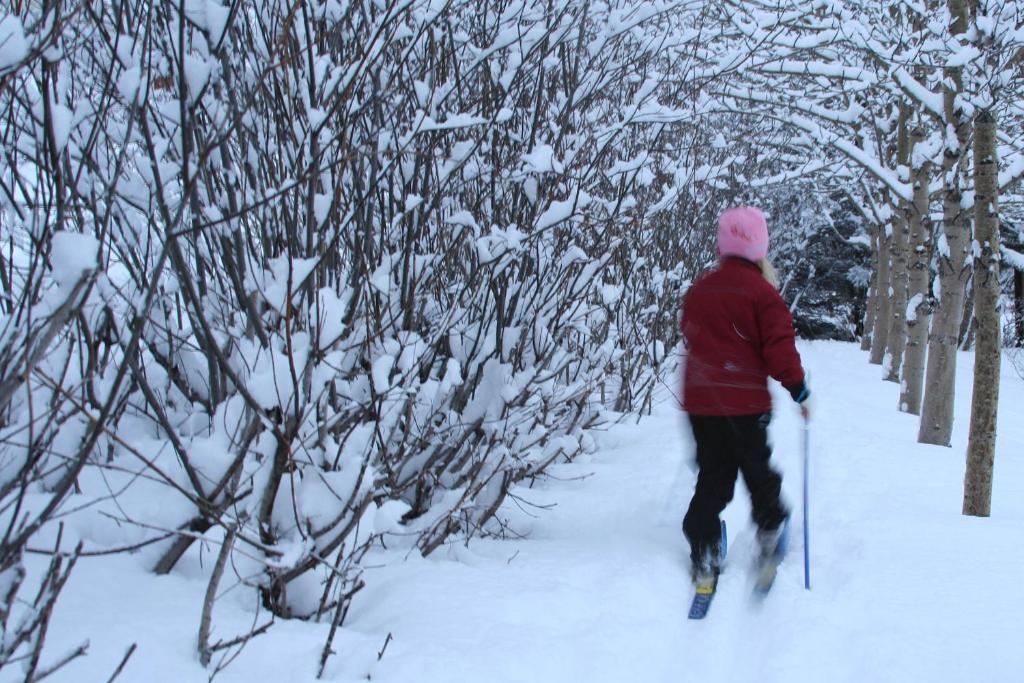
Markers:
(738, 331)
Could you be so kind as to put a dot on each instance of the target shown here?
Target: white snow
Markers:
(904, 588)
(1014, 259)
(912, 305)
(71, 254)
(453, 122)
(63, 123)
(216, 20)
(381, 373)
(13, 45)
(463, 218)
(932, 101)
(557, 212)
(861, 238)
(128, 83)
(962, 56)
(542, 159)
(197, 74)
(285, 279)
(1012, 172)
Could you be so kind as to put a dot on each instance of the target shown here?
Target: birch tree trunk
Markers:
(919, 305)
(896, 341)
(965, 341)
(870, 304)
(1018, 307)
(981, 442)
(937, 408)
(940, 379)
(883, 307)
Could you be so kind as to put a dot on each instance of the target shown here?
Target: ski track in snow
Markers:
(904, 587)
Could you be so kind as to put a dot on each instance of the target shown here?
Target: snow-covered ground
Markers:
(904, 587)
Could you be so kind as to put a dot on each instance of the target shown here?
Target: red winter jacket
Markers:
(737, 331)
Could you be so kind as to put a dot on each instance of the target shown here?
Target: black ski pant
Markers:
(727, 445)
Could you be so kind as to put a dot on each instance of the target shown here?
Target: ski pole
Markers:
(807, 531)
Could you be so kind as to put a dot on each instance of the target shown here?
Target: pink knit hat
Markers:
(743, 231)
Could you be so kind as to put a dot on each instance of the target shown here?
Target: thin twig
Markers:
(124, 660)
(387, 641)
(64, 661)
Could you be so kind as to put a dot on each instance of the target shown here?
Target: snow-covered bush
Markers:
(326, 271)
(51, 340)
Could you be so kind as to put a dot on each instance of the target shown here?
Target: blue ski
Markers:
(702, 600)
(706, 591)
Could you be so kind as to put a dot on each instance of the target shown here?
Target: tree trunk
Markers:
(966, 339)
(869, 319)
(870, 302)
(896, 341)
(883, 307)
(981, 443)
(937, 410)
(1018, 306)
(919, 307)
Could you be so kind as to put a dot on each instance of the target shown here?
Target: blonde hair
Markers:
(768, 271)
